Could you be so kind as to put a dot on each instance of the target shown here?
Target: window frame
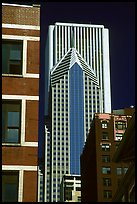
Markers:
(105, 158)
(104, 147)
(107, 194)
(6, 126)
(104, 124)
(106, 170)
(118, 136)
(107, 182)
(120, 125)
(10, 181)
(119, 171)
(11, 43)
(105, 136)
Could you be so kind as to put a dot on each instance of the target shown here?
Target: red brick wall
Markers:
(22, 32)
(21, 15)
(20, 86)
(31, 126)
(30, 186)
(33, 56)
(16, 155)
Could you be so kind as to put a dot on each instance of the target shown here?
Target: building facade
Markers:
(79, 85)
(70, 188)
(20, 101)
(40, 185)
(126, 153)
(100, 176)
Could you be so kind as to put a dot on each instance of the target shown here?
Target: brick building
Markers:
(100, 176)
(126, 153)
(20, 101)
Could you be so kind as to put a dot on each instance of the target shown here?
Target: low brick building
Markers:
(100, 176)
(20, 100)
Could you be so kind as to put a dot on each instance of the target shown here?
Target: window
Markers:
(116, 145)
(10, 180)
(11, 121)
(107, 194)
(79, 199)
(105, 158)
(105, 135)
(118, 136)
(107, 181)
(104, 124)
(125, 169)
(105, 147)
(106, 170)
(12, 57)
(119, 171)
(68, 193)
(120, 125)
(78, 188)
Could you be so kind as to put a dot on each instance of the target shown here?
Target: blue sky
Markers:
(119, 18)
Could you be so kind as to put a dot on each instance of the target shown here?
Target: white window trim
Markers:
(21, 170)
(19, 167)
(7, 4)
(18, 26)
(20, 190)
(24, 61)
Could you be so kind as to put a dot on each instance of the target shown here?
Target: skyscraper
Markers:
(77, 57)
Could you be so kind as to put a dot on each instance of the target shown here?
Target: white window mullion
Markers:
(100, 67)
(87, 45)
(20, 189)
(93, 32)
(62, 30)
(92, 98)
(69, 37)
(97, 67)
(24, 65)
(23, 113)
(81, 41)
(59, 39)
(66, 46)
(90, 37)
(78, 39)
(55, 45)
(84, 49)
(75, 37)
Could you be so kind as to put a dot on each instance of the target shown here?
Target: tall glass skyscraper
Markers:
(77, 57)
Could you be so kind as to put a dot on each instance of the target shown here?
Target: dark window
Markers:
(12, 57)
(107, 194)
(105, 135)
(120, 125)
(10, 180)
(105, 158)
(107, 181)
(68, 193)
(79, 199)
(11, 121)
(78, 188)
